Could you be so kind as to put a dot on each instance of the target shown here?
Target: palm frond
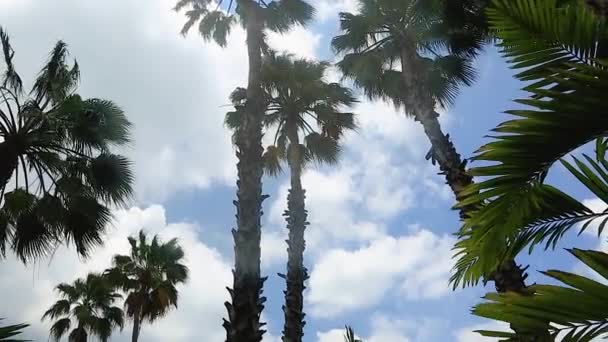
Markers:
(273, 158)
(7, 333)
(282, 15)
(60, 328)
(541, 46)
(10, 79)
(57, 79)
(494, 232)
(323, 149)
(575, 313)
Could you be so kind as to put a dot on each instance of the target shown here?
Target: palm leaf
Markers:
(576, 312)
(10, 79)
(8, 332)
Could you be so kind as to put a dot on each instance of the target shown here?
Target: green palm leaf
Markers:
(575, 313)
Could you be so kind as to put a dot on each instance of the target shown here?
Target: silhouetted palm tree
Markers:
(89, 304)
(149, 276)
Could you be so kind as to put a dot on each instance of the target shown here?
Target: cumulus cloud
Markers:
(417, 264)
(174, 89)
(384, 328)
(201, 299)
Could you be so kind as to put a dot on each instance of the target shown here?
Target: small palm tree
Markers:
(55, 146)
(89, 304)
(298, 98)
(149, 276)
(215, 21)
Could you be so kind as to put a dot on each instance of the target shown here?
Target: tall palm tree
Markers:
(55, 147)
(149, 276)
(416, 55)
(296, 96)
(215, 22)
(89, 304)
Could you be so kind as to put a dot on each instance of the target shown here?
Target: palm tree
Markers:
(395, 45)
(415, 45)
(88, 303)
(296, 95)
(243, 324)
(149, 276)
(55, 147)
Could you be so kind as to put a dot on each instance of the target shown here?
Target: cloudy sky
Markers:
(380, 235)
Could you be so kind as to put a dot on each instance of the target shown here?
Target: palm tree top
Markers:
(374, 40)
(216, 17)
(299, 97)
(89, 301)
(149, 275)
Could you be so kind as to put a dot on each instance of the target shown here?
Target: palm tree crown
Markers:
(89, 303)
(297, 99)
(149, 276)
(55, 146)
(388, 33)
(215, 18)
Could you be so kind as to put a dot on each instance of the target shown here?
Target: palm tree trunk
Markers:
(509, 277)
(136, 325)
(297, 274)
(243, 324)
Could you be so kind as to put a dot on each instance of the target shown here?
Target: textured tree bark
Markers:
(297, 274)
(243, 323)
(509, 276)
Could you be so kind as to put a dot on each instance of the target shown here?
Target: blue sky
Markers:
(381, 222)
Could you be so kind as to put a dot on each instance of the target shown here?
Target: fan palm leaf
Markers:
(55, 152)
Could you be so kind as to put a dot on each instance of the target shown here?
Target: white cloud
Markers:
(384, 328)
(345, 280)
(298, 41)
(329, 9)
(468, 334)
(174, 89)
(201, 299)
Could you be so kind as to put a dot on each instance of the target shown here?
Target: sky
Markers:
(380, 238)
